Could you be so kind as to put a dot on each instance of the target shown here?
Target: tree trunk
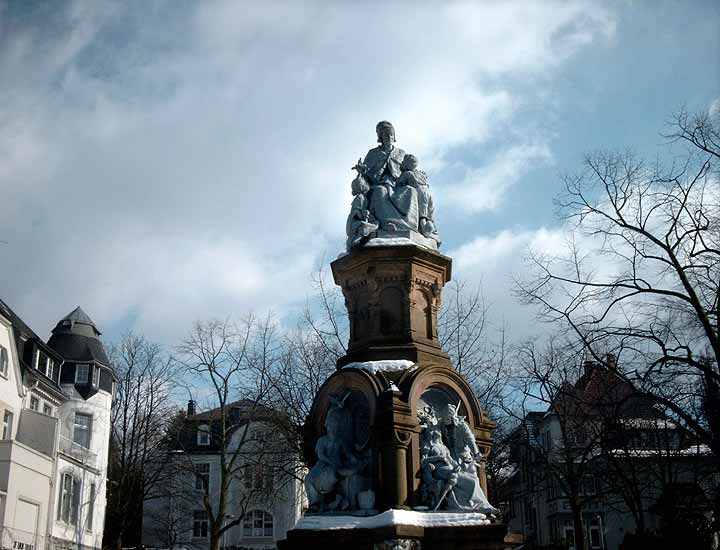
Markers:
(215, 540)
(576, 509)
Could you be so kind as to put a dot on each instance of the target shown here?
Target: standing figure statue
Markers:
(426, 210)
(397, 196)
(360, 223)
(458, 433)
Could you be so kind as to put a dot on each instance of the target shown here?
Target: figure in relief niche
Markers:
(337, 471)
(397, 195)
(450, 476)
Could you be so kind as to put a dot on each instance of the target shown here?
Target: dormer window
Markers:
(82, 374)
(44, 363)
(203, 435)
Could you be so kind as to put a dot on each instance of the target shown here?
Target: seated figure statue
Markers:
(392, 204)
(449, 466)
(337, 465)
(438, 467)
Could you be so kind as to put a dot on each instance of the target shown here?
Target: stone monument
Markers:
(396, 439)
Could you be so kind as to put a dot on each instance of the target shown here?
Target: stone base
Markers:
(398, 537)
(399, 238)
(397, 530)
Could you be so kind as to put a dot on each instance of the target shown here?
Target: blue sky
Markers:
(163, 161)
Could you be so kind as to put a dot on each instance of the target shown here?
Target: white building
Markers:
(55, 401)
(264, 497)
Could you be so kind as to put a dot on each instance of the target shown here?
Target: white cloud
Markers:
(177, 162)
(484, 188)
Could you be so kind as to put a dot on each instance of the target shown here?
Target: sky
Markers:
(163, 162)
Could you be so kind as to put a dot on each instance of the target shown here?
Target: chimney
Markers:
(191, 408)
(611, 361)
(588, 366)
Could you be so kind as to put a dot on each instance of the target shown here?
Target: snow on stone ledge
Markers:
(394, 517)
(391, 365)
(392, 241)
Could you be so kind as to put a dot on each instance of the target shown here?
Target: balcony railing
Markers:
(77, 451)
(17, 539)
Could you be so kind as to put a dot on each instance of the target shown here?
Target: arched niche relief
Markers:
(358, 391)
(421, 313)
(451, 384)
(439, 398)
(391, 310)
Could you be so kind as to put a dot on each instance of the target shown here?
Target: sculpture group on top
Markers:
(391, 195)
(449, 461)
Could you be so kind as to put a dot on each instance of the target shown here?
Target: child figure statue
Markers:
(412, 176)
(360, 223)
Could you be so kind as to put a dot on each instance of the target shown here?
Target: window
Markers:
(44, 363)
(34, 403)
(4, 360)
(91, 508)
(203, 435)
(82, 374)
(82, 426)
(7, 425)
(47, 409)
(202, 477)
(69, 499)
(200, 524)
(258, 524)
(261, 436)
(96, 376)
(257, 477)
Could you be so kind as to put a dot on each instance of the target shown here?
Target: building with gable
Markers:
(610, 453)
(265, 496)
(55, 401)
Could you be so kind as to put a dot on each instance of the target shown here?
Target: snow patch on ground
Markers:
(373, 367)
(395, 517)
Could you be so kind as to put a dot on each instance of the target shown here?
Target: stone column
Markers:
(395, 428)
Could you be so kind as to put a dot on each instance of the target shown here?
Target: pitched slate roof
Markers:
(18, 324)
(75, 337)
(26, 341)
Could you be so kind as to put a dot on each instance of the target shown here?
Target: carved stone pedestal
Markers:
(398, 537)
(392, 294)
(374, 414)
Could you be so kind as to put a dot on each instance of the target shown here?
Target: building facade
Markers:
(264, 493)
(55, 400)
(606, 455)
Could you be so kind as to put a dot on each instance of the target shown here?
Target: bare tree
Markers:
(477, 348)
(562, 442)
(234, 361)
(141, 408)
(641, 276)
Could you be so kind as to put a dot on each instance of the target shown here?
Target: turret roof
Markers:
(75, 337)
